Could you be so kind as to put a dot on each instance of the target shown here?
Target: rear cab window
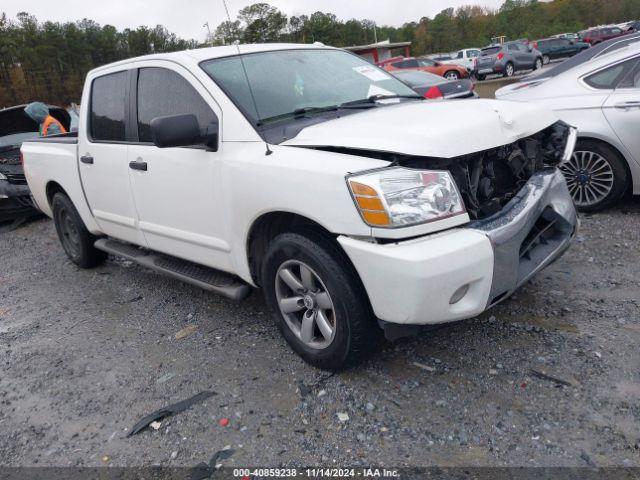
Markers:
(108, 108)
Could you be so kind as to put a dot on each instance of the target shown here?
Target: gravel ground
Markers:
(87, 353)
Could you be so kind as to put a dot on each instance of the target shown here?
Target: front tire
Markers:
(596, 175)
(546, 60)
(539, 63)
(76, 240)
(317, 301)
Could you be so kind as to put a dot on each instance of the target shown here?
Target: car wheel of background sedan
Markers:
(546, 59)
(596, 176)
(74, 236)
(317, 301)
(509, 70)
(480, 78)
(452, 75)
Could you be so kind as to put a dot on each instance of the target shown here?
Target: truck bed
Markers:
(50, 164)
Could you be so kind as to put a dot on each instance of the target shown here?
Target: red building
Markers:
(380, 51)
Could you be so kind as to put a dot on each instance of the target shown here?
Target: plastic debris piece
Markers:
(169, 411)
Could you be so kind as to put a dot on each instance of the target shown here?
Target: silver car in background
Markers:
(507, 59)
(601, 97)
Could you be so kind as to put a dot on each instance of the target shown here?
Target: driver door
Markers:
(177, 190)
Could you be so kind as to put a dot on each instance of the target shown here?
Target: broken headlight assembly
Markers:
(401, 197)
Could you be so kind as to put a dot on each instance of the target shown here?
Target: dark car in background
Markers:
(507, 59)
(554, 48)
(435, 87)
(595, 36)
(15, 128)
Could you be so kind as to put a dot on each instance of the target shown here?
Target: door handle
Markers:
(87, 159)
(627, 105)
(138, 165)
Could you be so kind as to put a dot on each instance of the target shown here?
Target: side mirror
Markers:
(183, 131)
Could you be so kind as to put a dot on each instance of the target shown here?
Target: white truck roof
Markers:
(200, 54)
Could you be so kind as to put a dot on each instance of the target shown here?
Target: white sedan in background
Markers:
(601, 97)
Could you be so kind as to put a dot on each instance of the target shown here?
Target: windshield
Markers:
(287, 81)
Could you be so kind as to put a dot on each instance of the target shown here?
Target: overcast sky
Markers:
(186, 17)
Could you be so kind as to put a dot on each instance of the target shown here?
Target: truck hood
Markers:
(443, 129)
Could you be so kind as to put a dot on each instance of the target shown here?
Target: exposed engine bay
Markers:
(489, 179)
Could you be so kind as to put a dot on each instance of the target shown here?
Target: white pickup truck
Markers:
(304, 170)
(465, 58)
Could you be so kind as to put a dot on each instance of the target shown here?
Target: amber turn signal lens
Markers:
(361, 189)
(370, 203)
(376, 218)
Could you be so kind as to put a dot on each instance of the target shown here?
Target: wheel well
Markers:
(53, 188)
(270, 225)
(616, 150)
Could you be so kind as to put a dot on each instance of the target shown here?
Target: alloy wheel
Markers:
(305, 304)
(451, 76)
(538, 64)
(589, 177)
(546, 59)
(509, 70)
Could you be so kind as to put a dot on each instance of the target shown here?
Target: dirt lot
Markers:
(85, 354)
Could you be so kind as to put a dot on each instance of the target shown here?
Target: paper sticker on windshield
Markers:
(375, 90)
(371, 73)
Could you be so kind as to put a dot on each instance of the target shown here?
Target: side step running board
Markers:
(189, 272)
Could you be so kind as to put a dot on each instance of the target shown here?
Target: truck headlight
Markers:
(401, 197)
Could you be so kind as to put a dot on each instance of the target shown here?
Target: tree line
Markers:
(48, 60)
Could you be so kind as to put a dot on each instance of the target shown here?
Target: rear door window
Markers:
(632, 79)
(108, 107)
(609, 78)
(163, 92)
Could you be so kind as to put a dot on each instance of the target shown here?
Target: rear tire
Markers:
(546, 60)
(480, 77)
(538, 64)
(509, 70)
(352, 332)
(596, 175)
(76, 240)
(452, 75)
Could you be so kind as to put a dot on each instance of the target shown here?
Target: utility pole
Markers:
(208, 31)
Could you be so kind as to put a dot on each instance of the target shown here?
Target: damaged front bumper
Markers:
(15, 201)
(459, 273)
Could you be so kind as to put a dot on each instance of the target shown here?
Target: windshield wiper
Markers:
(298, 113)
(374, 98)
(305, 111)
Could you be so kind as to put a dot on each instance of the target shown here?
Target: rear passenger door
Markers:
(103, 151)
(622, 108)
(178, 198)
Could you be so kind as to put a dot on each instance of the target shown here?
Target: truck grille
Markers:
(11, 157)
(16, 178)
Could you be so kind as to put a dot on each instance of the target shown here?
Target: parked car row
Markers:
(424, 64)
